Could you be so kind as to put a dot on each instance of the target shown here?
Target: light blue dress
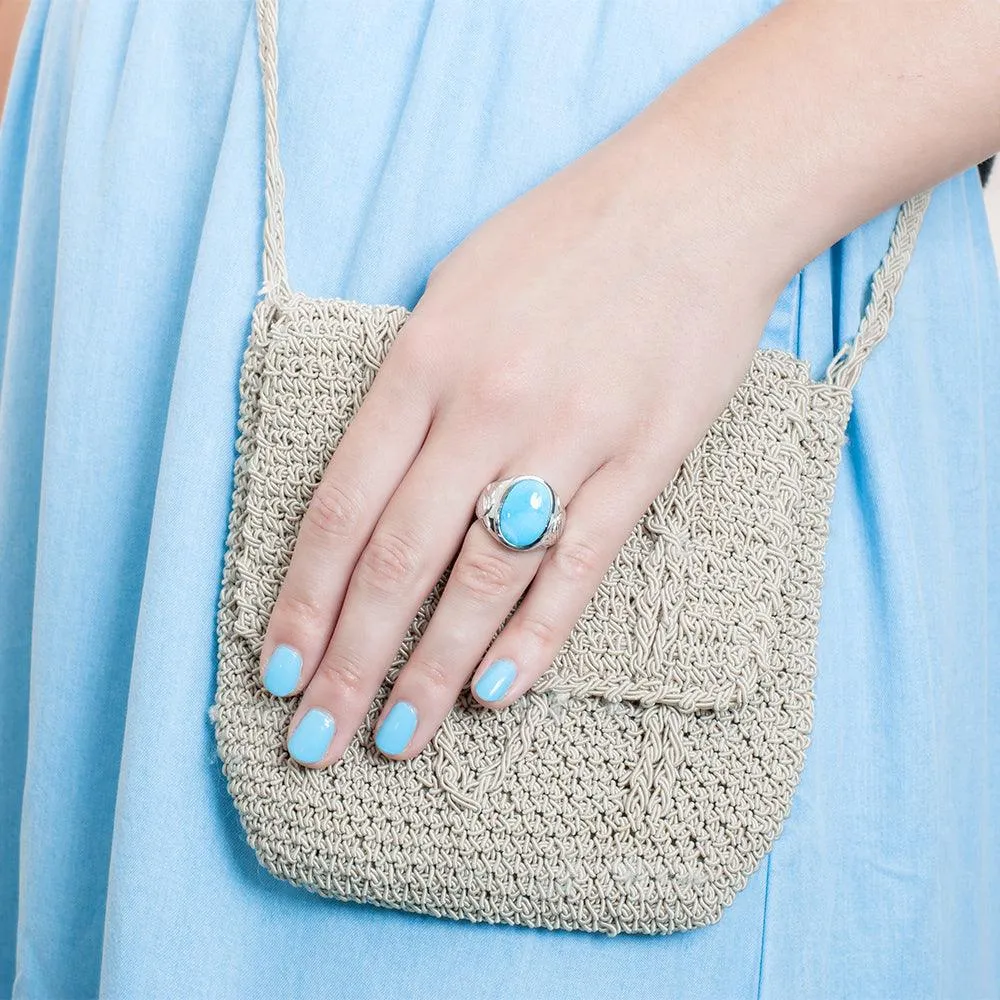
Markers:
(130, 226)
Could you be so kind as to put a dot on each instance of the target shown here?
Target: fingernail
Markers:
(496, 680)
(397, 729)
(311, 737)
(283, 668)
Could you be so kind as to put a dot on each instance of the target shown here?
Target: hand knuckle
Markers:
(575, 559)
(342, 671)
(334, 511)
(298, 608)
(434, 674)
(484, 575)
(503, 390)
(540, 629)
(389, 562)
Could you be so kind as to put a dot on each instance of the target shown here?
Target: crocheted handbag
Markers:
(643, 779)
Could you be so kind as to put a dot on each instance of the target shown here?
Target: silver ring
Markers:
(521, 512)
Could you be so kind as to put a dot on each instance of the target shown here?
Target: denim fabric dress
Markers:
(131, 179)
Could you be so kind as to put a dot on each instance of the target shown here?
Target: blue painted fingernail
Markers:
(397, 729)
(311, 737)
(283, 668)
(496, 680)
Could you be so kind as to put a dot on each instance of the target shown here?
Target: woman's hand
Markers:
(568, 337)
(589, 333)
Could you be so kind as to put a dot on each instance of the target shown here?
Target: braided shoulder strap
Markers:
(843, 370)
(275, 268)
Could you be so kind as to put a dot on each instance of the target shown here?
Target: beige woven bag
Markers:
(647, 774)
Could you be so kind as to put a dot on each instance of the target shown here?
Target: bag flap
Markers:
(726, 565)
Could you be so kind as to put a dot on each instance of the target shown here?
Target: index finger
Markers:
(376, 450)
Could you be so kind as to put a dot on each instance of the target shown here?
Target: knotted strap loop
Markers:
(845, 368)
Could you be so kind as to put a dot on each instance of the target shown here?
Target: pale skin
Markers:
(592, 330)
(12, 14)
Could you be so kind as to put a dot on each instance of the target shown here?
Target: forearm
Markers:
(815, 118)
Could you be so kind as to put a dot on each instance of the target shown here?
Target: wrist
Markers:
(797, 130)
(721, 232)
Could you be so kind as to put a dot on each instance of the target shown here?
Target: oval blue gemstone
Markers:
(525, 512)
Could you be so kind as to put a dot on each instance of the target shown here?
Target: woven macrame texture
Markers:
(641, 782)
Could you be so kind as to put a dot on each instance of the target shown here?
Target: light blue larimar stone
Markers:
(525, 512)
